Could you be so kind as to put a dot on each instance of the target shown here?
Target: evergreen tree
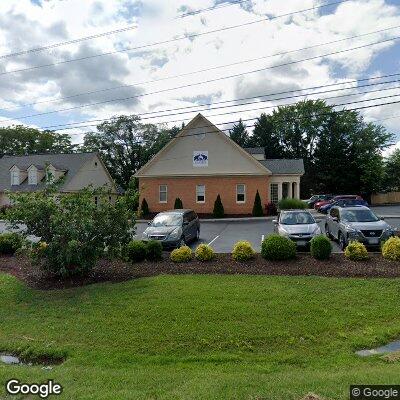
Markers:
(257, 207)
(218, 211)
(392, 171)
(239, 134)
(145, 208)
(178, 204)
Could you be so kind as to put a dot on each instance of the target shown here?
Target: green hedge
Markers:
(291, 204)
(277, 248)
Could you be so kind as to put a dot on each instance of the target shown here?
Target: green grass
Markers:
(203, 337)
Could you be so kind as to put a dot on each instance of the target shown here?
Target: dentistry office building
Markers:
(202, 162)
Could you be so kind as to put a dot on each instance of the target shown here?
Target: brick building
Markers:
(202, 162)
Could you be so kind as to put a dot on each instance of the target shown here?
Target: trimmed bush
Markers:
(144, 208)
(270, 209)
(218, 211)
(183, 254)
(356, 251)
(391, 249)
(178, 204)
(204, 252)
(153, 250)
(291, 204)
(320, 247)
(10, 243)
(277, 248)
(243, 251)
(257, 207)
(135, 251)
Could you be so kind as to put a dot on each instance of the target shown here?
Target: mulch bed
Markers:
(118, 271)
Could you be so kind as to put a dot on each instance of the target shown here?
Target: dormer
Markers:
(15, 175)
(32, 175)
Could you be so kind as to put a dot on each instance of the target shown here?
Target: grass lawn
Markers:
(204, 337)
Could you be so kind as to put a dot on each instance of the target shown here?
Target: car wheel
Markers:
(342, 241)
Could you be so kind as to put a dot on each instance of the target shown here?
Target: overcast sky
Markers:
(27, 24)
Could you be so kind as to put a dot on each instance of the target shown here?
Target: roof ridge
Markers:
(48, 154)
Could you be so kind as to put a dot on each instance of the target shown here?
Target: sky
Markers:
(177, 61)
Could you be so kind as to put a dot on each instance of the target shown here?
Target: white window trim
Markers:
(197, 195)
(244, 186)
(166, 194)
(277, 192)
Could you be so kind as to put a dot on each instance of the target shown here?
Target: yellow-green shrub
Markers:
(391, 249)
(204, 252)
(356, 251)
(183, 254)
(242, 251)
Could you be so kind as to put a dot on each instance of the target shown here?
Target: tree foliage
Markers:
(392, 171)
(239, 134)
(257, 206)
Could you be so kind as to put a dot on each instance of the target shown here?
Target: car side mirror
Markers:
(336, 219)
(149, 223)
(275, 221)
(382, 218)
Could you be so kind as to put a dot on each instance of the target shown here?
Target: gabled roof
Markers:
(284, 166)
(211, 128)
(71, 163)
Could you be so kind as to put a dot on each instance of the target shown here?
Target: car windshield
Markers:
(359, 216)
(296, 218)
(315, 197)
(167, 220)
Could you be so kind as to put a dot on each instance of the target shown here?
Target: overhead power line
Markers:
(72, 41)
(249, 103)
(203, 82)
(200, 71)
(188, 36)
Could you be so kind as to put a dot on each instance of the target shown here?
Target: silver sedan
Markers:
(298, 225)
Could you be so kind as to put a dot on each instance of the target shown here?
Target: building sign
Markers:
(200, 159)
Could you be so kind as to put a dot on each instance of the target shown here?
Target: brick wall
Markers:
(185, 189)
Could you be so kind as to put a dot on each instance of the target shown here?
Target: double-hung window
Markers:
(240, 193)
(274, 193)
(200, 193)
(163, 193)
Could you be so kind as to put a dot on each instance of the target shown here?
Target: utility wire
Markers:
(204, 82)
(248, 103)
(202, 70)
(188, 36)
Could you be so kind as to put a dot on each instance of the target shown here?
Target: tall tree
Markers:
(392, 171)
(22, 140)
(265, 135)
(126, 144)
(239, 134)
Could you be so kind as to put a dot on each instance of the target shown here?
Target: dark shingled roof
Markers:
(71, 163)
(255, 150)
(284, 166)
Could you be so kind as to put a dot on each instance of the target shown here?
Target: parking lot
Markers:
(222, 235)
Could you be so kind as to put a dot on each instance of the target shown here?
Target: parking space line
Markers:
(212, 241)
(262, 238)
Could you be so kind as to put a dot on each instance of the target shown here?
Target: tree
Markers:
(257, 207)
(265, 135)
(239, 134)
(144, 208)
(218, 211)
(23, 140)
(126, 144)
(178, 204)
(392, 171)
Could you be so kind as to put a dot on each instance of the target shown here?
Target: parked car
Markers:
(318, 205)
(325, 200)
(343, 203)
(298, 225)
(357, 223)
(313, 199)
(173, 228)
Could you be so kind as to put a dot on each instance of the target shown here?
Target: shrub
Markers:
(243, 251)
(218, 211)
(275, 247)
(356, 251)
(178, 204)
(136, 251)
(144, 208)
(270, 209)
(257, 207)
(320, 247)
(204, 252)
(183, 254)
(291, 204)
(10, 243)
(391, 249)
(153, 250)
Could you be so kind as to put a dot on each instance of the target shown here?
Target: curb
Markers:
(246, 219)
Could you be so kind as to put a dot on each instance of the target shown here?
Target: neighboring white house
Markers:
(33, 172)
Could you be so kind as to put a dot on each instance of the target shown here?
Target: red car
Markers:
(327, 199)
(321, 203)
